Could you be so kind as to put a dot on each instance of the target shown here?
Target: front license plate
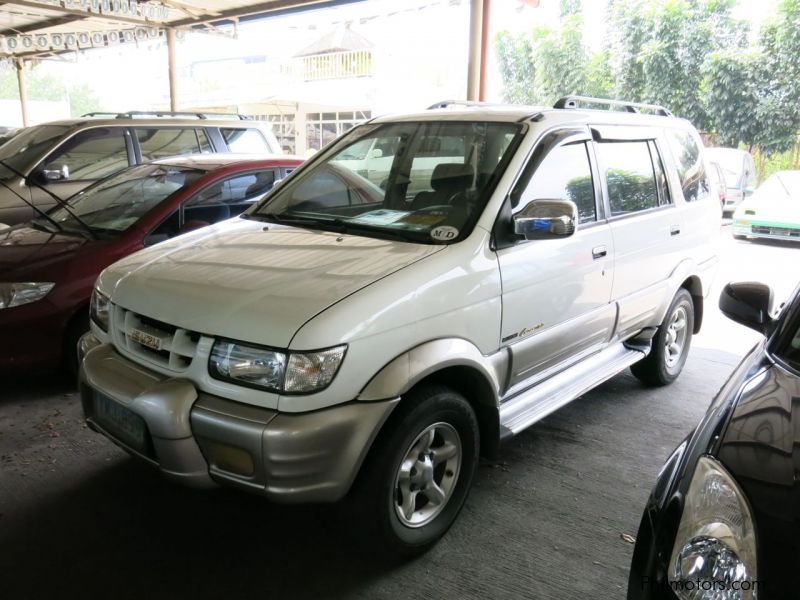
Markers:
(146, 339)
(121, 422)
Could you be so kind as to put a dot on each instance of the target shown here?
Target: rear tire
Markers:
(418, 474)
(670, 345)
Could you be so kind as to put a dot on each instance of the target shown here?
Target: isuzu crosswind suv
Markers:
(347, 338)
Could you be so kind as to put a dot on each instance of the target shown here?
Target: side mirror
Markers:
(748, 303)
(546, 219)
(61, 174)
(376, 153)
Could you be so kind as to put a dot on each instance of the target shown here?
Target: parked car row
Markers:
(424, 288)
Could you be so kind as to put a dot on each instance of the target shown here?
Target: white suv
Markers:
(344, 337)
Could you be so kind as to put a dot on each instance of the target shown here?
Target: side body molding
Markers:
(408, 369)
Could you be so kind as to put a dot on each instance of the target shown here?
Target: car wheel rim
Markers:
(427, 475)
(675, 342)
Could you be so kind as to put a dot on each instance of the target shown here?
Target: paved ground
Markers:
(79, 519)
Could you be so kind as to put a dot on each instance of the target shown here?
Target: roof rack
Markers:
(633, 107)
(131, 114)
(446, 103)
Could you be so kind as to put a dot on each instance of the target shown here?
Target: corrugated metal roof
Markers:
(32, 23)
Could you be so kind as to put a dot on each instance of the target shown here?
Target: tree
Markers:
(45, 86)
(515, 58)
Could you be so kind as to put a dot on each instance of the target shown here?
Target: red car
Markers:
(49, 265)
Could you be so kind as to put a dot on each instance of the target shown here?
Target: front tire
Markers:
(418, 474)
(670, 345)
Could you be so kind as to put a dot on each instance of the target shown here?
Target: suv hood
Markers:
(252, 281)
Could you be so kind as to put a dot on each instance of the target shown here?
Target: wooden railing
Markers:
(334, 65)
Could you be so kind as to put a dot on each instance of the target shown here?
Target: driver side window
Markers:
(564, 174)
(89, 155)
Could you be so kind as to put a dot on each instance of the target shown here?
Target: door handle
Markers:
(599, 252)
(674, 229)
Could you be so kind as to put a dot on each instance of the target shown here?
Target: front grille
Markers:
(176, 347)
(782, 231)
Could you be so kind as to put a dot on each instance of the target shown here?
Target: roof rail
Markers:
(633, 107)
(131, 114)
(446, 103)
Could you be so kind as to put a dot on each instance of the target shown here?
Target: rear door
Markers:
(556, 292)
(646, 223)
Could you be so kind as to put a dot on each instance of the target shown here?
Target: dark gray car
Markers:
(63, 157)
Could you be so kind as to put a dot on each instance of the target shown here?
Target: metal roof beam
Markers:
(39, 25)
(257, 9)
(89, 15)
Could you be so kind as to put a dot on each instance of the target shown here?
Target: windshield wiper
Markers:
(31, 204)
(60, 201)
(335, 224)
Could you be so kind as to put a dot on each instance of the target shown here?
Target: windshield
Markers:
(419, 181)
(22, 150)
(119, 201)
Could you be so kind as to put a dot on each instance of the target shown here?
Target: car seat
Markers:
(447, 180)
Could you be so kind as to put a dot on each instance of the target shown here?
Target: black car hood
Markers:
(761, 449)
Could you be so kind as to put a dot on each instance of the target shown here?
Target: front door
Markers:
(556, 292)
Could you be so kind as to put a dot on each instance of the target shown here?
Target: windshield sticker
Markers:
(379, 217)
(444, 233)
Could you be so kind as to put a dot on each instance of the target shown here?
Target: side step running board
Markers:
(524, 409)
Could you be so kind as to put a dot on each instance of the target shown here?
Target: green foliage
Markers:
(689, 55)
(44, 86)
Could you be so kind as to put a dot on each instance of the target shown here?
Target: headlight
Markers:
(99, 307)
(17, 294)
(714, 555)
(301, 372)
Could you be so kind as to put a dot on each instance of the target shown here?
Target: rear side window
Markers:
(91, 154)
(229, 196)
(160, 143)
(246, 141)
(630, 175)
(691, 170)
(564, 174)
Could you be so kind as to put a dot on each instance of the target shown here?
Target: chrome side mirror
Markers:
(546, 219)
(749, 304)
(61, 174)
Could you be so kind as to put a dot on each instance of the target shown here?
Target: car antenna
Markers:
(60, 201)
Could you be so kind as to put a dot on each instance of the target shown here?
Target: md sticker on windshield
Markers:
(444, 233)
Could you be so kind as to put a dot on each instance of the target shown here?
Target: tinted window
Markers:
(119, 201)
(29, 144)
(160, 143)
(691, 169)
(564, 174)
(91, 154)
(247, 141)
(628, 169)
(231, 196)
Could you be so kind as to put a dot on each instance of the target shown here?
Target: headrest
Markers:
(451, 175)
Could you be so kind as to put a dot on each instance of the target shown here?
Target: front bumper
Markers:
(200, 439)
(769, 231)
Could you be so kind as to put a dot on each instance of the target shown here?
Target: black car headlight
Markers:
(99, 309)
(17, 294)
(274, 370)
(714, 555)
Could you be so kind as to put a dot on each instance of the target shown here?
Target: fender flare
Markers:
(409, 368)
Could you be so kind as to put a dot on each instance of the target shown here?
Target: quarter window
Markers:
(245, 141)
(629, 173)
(691, 170)
(91, 154)
(564, 174)
(160, 143)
